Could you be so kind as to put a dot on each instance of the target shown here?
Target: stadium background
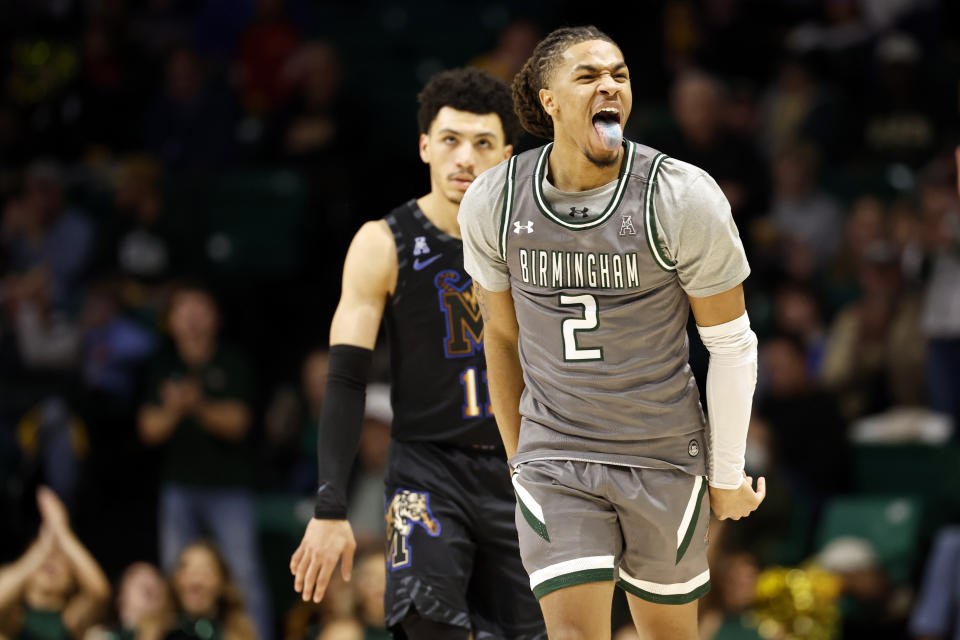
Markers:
(263, 133)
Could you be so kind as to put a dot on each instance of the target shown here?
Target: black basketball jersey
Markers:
(439, 377)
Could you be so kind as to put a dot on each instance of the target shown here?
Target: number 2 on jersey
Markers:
(588, 321)
(470, 380)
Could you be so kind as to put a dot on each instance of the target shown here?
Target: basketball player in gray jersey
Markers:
(587, 256)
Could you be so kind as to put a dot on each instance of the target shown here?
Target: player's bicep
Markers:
(719, 308)
(369, 275)
(499, 316)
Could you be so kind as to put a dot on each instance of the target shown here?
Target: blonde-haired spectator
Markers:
(56, 590)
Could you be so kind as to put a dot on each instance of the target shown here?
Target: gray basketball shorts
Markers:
(582, 522)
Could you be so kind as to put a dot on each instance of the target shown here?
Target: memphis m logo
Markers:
(459, 307)
(406, 509)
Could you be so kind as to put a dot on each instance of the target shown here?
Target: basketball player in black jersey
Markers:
(452, 554)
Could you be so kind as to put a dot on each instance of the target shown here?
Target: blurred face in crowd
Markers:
(374, 444)
(54, 577)
(198, 581)
(371, 582)
(342, 630)
(865, 224)
(460, 146)
(142, 592)
(317, 70)
(738, 582)
(589, 98)
(797, 312)
(136, 181)
(184, 76)
(785, 367)
(45, 198)
(696, 107)
(793, 172)
(315, 378)
(193, 316)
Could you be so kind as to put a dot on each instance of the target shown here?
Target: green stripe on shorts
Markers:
(571, 579)
(656, 598)
(688, 536)
(536, 525)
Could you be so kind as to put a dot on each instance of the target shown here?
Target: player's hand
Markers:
(312, 564)
(734, 504)
(52, 510)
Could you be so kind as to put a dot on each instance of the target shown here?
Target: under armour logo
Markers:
(626, 226)
(517, 227)
(420, 246)
(574, 212)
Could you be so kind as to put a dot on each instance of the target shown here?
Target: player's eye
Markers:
(449, 140)
(484, 144)
(621, 76)
(580, 78)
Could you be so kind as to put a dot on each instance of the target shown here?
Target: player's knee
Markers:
(570, 630)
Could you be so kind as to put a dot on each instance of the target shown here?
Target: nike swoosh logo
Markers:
(418, 264)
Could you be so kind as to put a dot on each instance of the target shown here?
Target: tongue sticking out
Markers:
(610, 132)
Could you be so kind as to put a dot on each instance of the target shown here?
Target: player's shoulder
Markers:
(679, 181)
(489, 185)
(374, 235)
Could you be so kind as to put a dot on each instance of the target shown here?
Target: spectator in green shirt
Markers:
(198, 407)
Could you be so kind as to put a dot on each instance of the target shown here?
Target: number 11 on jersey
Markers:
(470, 380)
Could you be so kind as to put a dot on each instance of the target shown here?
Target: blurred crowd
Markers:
(178, 183)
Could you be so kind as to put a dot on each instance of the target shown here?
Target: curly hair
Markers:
(471, 90)
(536, 72)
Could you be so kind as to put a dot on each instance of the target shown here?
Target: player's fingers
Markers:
(310, 577)
(346, 563)
(301, 574)
(748, 481)
(326, 570)
(761, 489)
(295, 559)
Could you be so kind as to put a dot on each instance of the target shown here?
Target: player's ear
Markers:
(425, 148)
(546, 99)
(507, 151)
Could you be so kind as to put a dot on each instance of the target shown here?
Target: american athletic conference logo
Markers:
(406, 509)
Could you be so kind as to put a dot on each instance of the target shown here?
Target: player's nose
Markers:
(465, 156)
(607, 86)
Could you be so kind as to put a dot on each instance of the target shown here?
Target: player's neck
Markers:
(571, 170)
(441, 212)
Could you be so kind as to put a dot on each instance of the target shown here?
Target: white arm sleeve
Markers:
(731, 379)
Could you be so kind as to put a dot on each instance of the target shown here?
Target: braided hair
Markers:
(536, 72)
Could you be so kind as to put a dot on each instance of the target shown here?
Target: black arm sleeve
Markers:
(341, 418)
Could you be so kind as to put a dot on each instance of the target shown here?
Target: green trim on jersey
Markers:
(571, 579)
(688, 536)
(507, 208)
(656, 598)
(540, 174)
(650, 218)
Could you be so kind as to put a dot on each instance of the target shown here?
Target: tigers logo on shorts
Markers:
(406, 509)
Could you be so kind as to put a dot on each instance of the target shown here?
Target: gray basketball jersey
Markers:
(602, 319)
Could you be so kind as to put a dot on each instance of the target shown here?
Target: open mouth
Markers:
(607, 114)
(606, 122)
